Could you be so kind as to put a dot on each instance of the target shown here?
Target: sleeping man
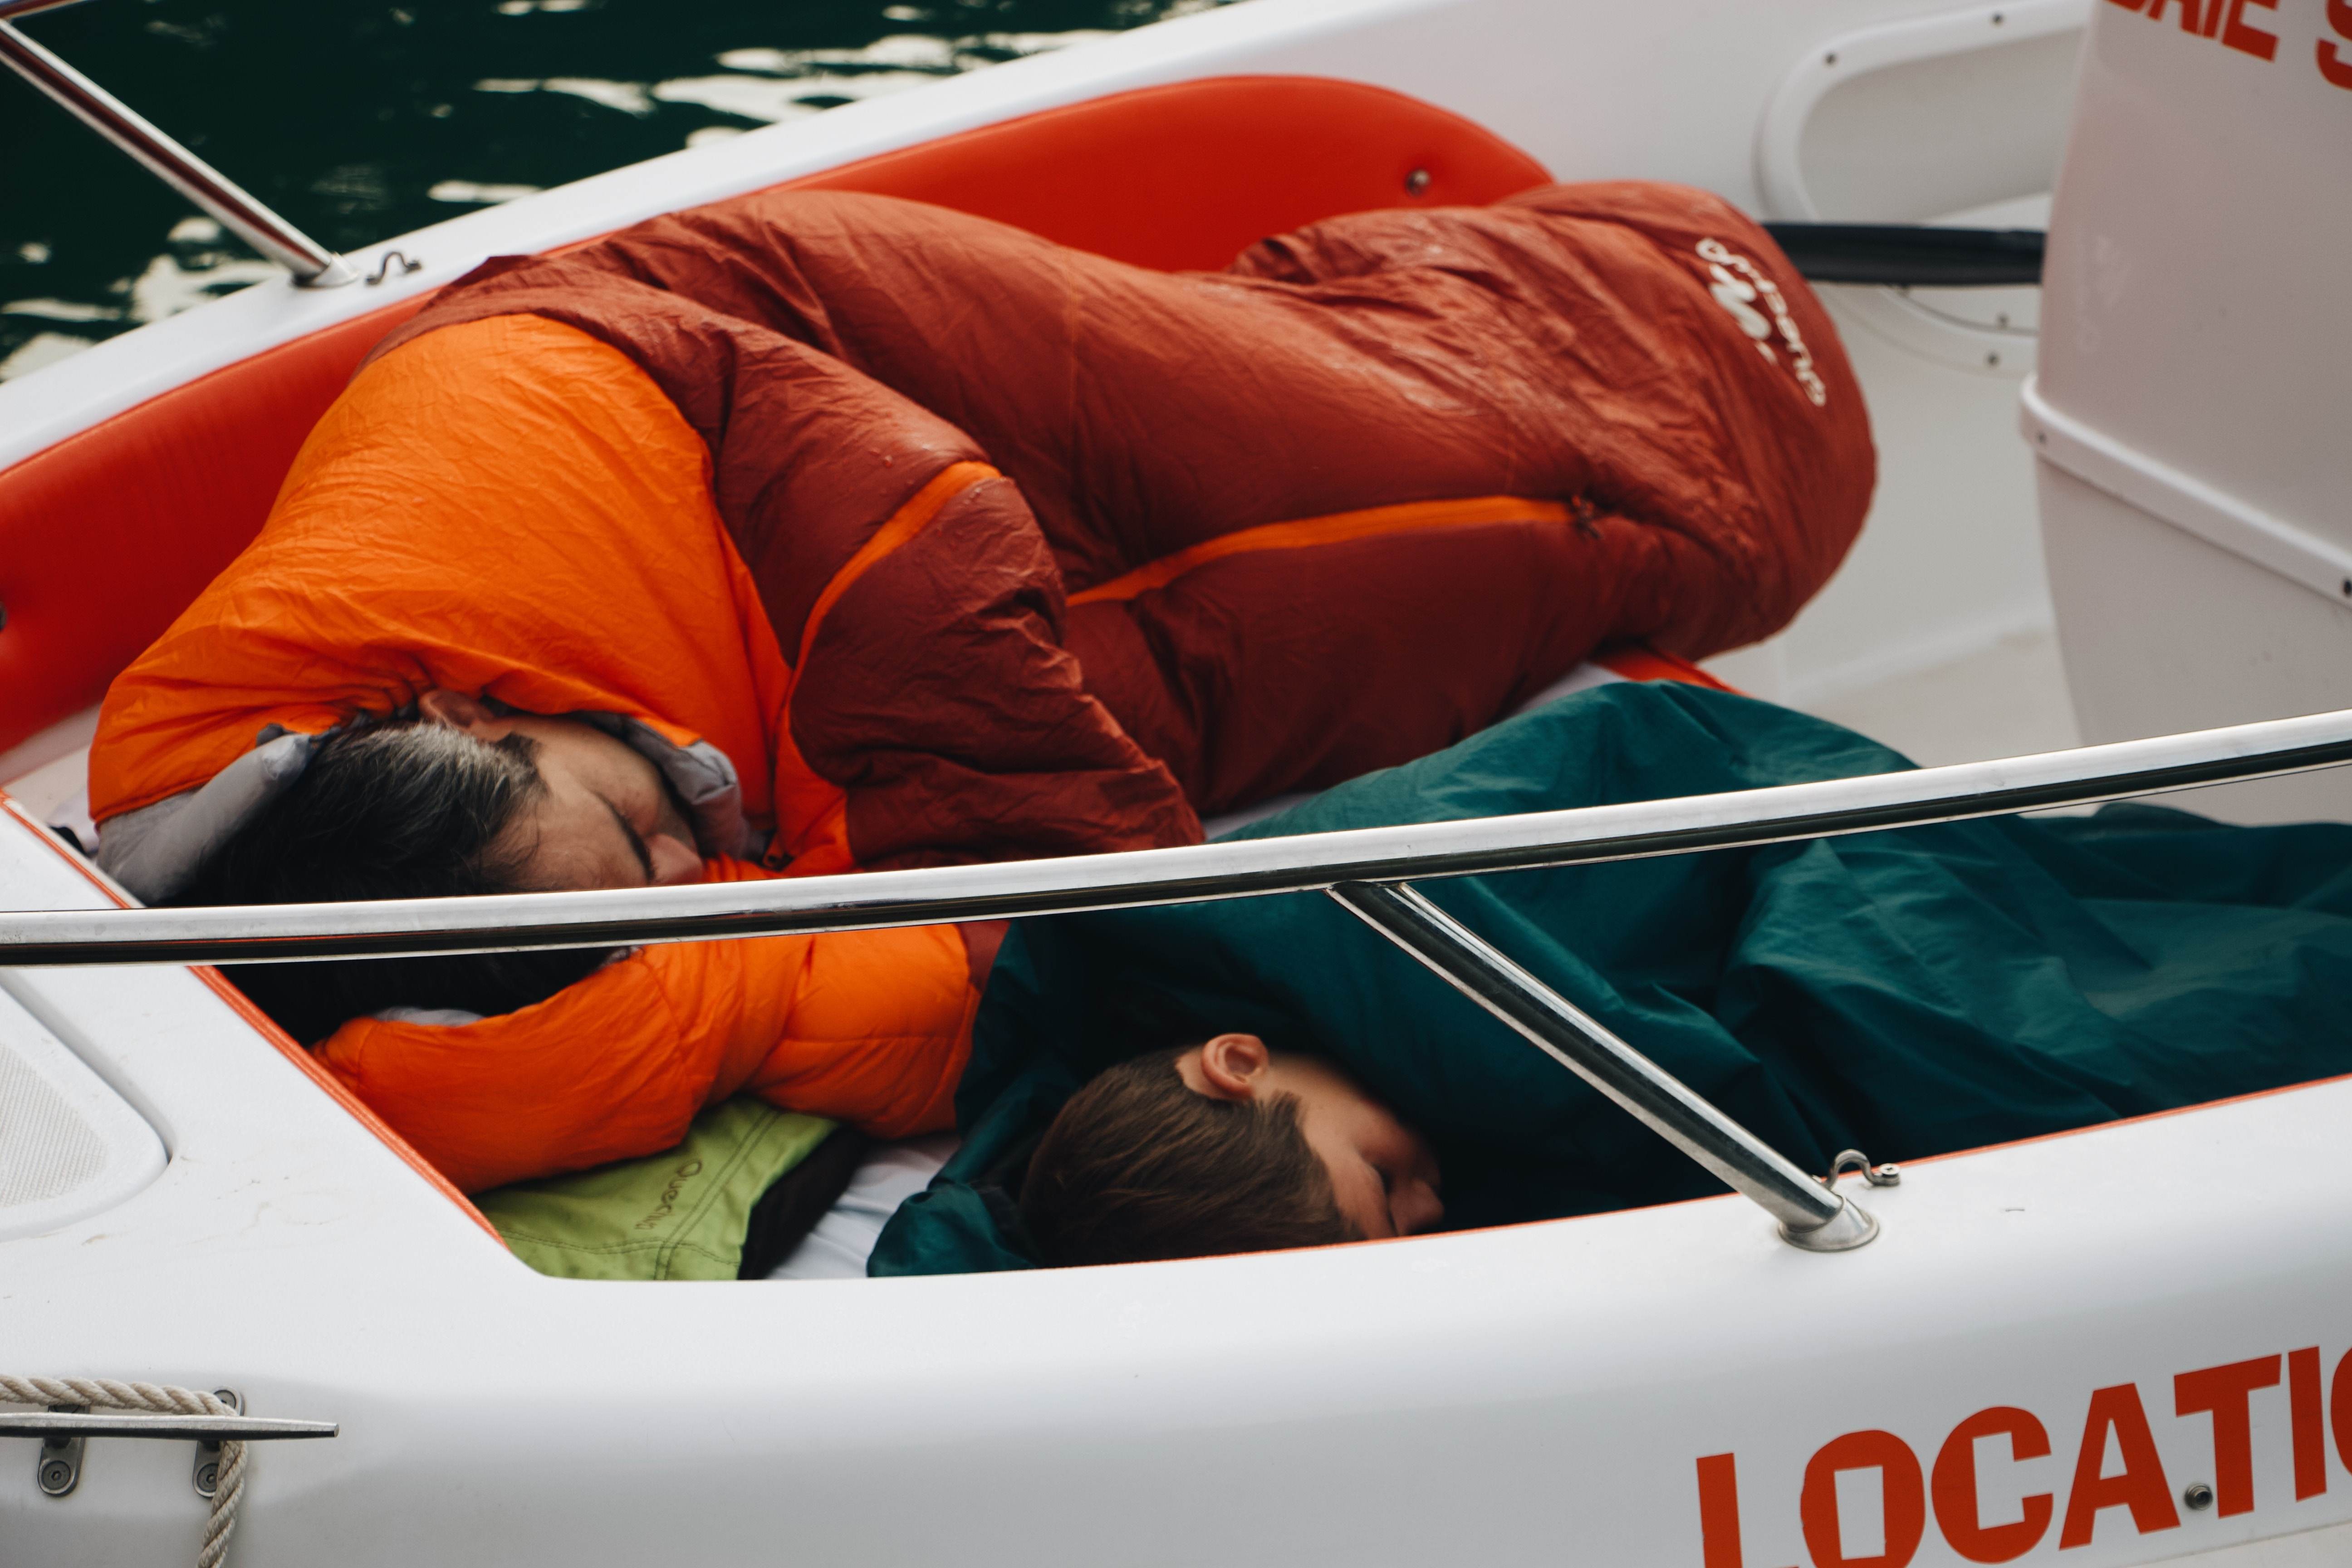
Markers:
(814, 532)
(1271, 1072)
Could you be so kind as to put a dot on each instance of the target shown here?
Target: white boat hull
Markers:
(1542, 1394)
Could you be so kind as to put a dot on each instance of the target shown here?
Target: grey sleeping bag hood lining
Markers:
(156, 851)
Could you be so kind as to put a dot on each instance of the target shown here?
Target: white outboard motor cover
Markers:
(2193, 409)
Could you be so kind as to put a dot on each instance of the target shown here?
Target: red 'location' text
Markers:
(2118, 1474)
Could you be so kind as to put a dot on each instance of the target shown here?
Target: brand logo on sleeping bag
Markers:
(677, 1180)
(1738, 284)
(1996, 1489)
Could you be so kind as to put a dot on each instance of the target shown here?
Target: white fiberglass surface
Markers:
(69, 1146)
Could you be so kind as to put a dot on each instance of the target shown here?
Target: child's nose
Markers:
(1416, 1208)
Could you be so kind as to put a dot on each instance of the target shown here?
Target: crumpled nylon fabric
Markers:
(869, 496)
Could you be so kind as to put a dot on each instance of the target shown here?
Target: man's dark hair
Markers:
(1138, 1167)
(401, 808)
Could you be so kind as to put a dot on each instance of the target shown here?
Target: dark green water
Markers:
(362, 120)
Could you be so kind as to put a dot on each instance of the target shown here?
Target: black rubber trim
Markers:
(1912, 254)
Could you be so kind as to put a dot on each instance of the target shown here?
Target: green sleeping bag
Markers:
(727, 1204)
(1907, 993)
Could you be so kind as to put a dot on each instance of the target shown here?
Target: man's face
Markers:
(1384, 1174)
(606, 820)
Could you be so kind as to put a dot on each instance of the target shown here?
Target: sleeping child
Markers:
(1271, 1072)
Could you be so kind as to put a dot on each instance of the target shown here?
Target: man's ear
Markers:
(459, 712)
(1232, 1067)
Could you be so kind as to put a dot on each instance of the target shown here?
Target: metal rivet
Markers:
(1998, 18)
(2347, 587)
(1992, 359)
(57, 1468)
(206, 1475)
(2198, 1495)
(1830, 59)
(1416, 182)
(2042, 437)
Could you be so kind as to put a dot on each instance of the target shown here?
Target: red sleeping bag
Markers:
(959, 545)
(1327, 511)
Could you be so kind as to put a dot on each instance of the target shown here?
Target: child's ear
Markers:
(1232, 1067)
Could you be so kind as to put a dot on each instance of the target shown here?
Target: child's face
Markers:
(1383, 1174)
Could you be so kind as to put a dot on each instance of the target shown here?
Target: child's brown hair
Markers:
(1138, 1167)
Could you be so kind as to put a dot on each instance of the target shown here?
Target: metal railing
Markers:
(1245, 868)
(312, 264)
(1365, 869)
(1812, 1214)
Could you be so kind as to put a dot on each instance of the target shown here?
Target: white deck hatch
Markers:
(69, 1146)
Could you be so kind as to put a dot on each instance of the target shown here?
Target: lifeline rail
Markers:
(1253, 867)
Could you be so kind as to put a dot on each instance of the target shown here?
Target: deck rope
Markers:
(107, 1394)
